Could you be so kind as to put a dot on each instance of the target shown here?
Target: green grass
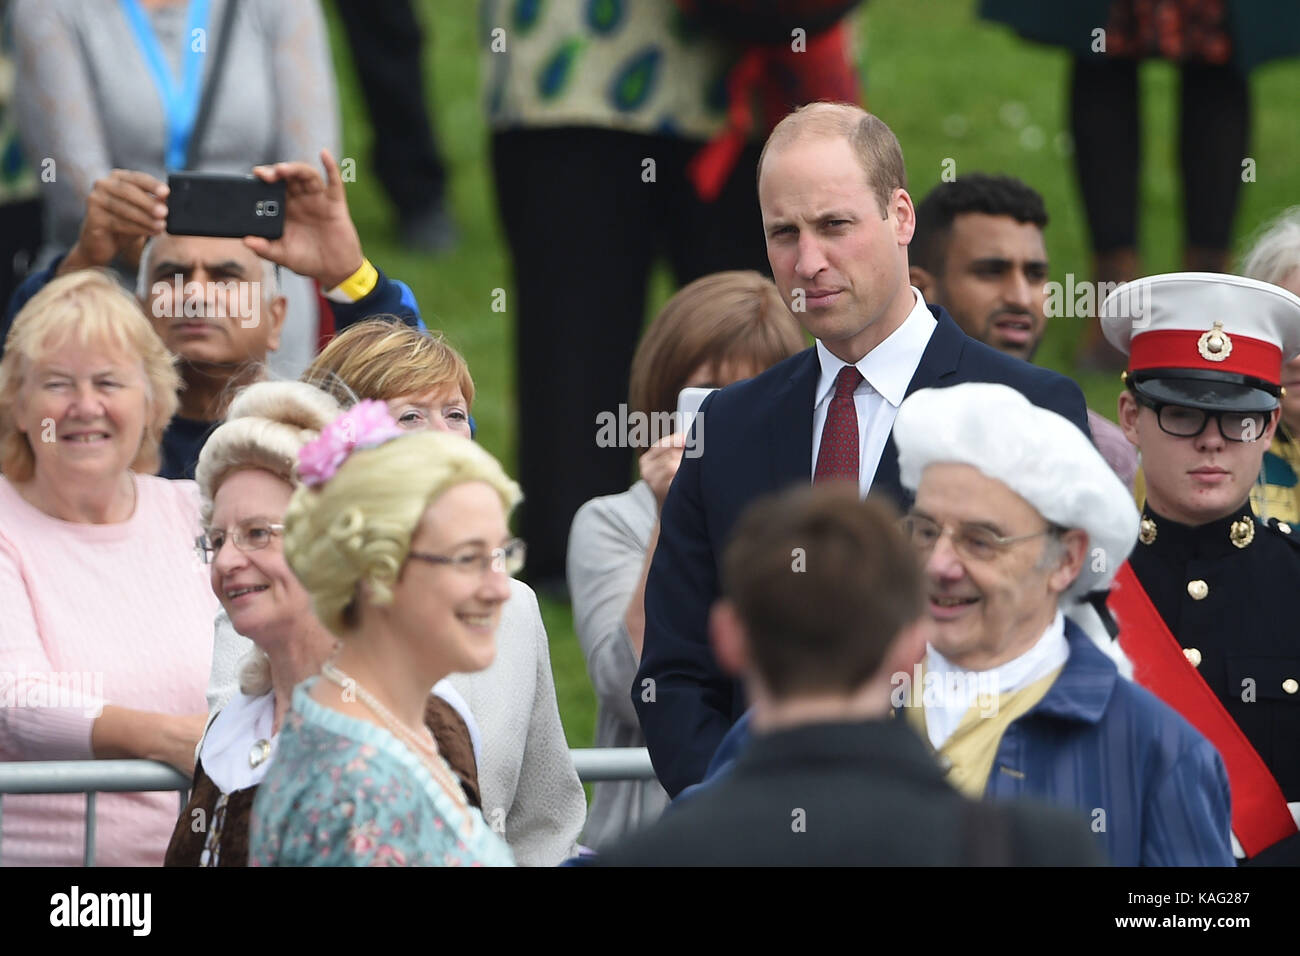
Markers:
(950, 86)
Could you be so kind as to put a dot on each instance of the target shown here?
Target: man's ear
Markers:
(904, 216)
(730, 642)
(1075, 550)
(1128, 410)
(924, 281)
(275, 314)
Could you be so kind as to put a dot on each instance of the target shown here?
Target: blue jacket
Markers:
(758, 441)
(1155, 790)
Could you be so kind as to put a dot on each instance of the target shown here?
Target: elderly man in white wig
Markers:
(1020, 523)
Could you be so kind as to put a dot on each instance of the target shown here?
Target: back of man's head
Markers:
(823, 584)
(974, 192)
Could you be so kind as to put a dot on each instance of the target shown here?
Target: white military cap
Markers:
(1038, 454)
(1204, 340)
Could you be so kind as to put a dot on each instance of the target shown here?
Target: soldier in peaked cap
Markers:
(1206, 601)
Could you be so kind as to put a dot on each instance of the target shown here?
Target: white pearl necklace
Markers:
(426, 751)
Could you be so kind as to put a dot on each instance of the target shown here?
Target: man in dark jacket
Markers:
(838, 221)
(1018, 520)
(823, 606)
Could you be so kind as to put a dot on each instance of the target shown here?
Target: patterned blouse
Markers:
(344, 792)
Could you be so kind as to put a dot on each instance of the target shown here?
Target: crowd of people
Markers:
(895, 597)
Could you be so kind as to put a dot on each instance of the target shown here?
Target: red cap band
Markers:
(1180, 348)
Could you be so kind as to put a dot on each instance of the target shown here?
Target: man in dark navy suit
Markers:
(838, 219)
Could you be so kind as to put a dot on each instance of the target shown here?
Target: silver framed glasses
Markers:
(507, 559)
(251, 535)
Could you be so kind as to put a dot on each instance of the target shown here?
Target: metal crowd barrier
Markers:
(135, 776)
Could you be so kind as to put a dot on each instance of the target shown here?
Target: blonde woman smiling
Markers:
(401, 540)
(97, 574)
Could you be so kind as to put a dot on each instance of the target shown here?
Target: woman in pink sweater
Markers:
(106, 629)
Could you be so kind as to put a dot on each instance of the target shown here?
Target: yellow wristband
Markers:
(356, 286)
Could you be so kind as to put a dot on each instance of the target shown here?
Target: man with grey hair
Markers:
(1018, 523)
(216, 302)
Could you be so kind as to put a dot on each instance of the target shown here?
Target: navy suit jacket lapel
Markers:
(791, 418)
(939, 360)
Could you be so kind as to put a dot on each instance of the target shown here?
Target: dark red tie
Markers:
(837, 459)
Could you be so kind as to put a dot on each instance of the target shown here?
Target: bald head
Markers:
(872, 141)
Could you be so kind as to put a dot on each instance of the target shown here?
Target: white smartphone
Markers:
(689, 401)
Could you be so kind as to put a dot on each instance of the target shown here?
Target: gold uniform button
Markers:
(1291, 685)
(1193, 656)
(1198, 589)
(1283, 527)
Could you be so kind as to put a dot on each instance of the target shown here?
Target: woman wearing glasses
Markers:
(246, 477)
(402, 542)
(531, 793)
(105, 616)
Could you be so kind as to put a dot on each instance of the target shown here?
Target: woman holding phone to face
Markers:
(715, 331)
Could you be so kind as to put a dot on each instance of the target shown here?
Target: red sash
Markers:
(1260, 816)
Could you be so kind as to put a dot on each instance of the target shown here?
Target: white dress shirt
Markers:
(962, 688)
(886, 370)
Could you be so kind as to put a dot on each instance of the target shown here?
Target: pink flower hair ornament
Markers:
(366, 424)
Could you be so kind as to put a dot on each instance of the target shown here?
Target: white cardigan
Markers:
(531, 793)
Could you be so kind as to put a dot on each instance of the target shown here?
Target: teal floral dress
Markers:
(344, 792)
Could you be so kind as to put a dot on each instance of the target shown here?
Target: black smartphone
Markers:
(214, 204)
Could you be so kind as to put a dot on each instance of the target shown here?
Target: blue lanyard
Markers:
(180, 101)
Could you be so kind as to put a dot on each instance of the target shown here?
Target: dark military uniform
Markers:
(1229, 592)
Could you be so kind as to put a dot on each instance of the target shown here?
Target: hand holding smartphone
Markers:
(217, 204)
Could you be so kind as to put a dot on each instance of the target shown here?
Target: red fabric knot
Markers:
(837, 458)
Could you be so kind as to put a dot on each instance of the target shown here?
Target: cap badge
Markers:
(1242, 532)
(1215, 345)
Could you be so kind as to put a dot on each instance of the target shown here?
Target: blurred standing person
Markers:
(387, 44)
(20, 204)
(633, 120)
(127, 85)
(1215, 44)
(716, 331)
